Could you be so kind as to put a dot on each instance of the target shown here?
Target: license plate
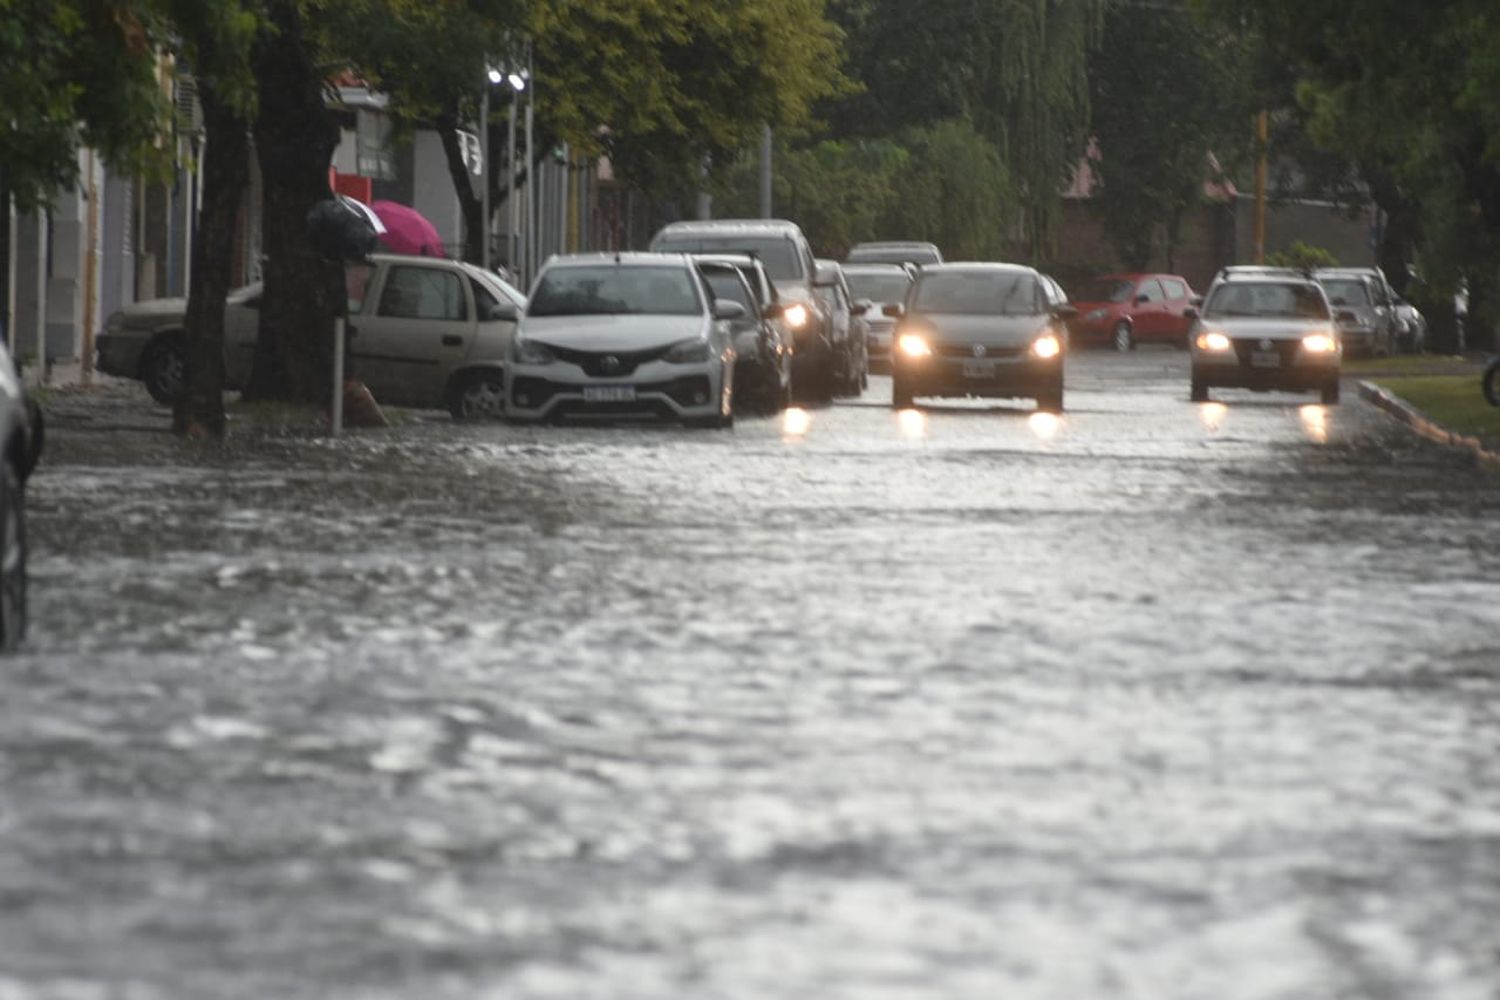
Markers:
(1265, 359)
(609, 394)
(979, 369)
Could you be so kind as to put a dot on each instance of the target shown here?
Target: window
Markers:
(782, 259)
(423, 293)
(727, 286)
(882, 288)
(1175, 289)
(979, 293)
(1267, 299)
(1151, 292)
(483, 300)
(1347, 291)
(610, 290)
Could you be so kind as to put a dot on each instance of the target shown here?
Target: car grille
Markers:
(1244, 347)
(538, 392)
(608, 364)
(967, 351)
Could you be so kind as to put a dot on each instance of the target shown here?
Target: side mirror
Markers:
(728, 309)
(504, 311)
(1196, 302)
(895, 310)
(1191, 312)
(1346, 318)
(1065, 312)
(861, 307)
(1141, 300)
(773, 311)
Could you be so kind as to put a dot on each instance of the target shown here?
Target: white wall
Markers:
(432, 187)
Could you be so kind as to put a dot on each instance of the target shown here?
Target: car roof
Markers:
(764, 227)
(875, 267)
(734, 259)
(979, 265)
(631, 259)
(895, 245)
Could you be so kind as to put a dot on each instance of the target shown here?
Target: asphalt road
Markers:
(1153, 700)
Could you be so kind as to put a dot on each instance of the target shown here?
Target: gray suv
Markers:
(1369, 323)
(784, 251)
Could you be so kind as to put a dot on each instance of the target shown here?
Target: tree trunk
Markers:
(469, 202)
(200, 411)
(295, 137)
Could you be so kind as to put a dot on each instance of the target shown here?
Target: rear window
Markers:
(611, 290)
(1104, 290)
(980, 293)
(882, 288)
(1268, 299)
(778, 255)
(1348, 292)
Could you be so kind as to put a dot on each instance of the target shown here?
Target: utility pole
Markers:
(484, 175)
(705, 200)
(1262, 170)
(765, 172)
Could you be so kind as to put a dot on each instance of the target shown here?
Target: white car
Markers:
(623, 336)
(21, 435)
(424, 332)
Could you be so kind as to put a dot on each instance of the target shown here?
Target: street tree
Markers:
(1157, 139)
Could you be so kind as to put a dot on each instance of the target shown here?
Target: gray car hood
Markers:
(990, 330)
(612, 333)
(1276, 328)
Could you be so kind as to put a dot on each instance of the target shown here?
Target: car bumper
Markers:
(878, 346)
(119, 354)
(756, 376)
(1303, 374)
(658, 390)
(999, 377)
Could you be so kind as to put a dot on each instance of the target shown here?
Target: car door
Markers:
(1149, 310)
(420, 328)
(1179, 297)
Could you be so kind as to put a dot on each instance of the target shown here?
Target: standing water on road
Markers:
(1148, 700)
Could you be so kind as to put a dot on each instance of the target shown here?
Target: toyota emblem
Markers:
(978, 350)
(610, 363)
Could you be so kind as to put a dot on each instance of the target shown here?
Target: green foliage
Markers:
(954, 190)
(1302, 256)
(1159, 137)
(75, 73)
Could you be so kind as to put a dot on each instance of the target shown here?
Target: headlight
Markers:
(796, 315)
(1047, 346)
(1096, 315)
(115, 323)
(529, 352)
(689, 352)
(1213, 342)
(1320, 343)
(914, 345)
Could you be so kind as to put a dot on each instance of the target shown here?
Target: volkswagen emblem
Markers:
(978, 350)
(610, 363)
(1265, 345)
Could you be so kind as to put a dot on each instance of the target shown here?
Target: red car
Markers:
(1125, 309)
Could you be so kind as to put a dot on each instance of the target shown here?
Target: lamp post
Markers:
(492, 77)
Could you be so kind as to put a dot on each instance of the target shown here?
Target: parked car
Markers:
(895, 252)
(988, 330)
(784, 250)
(624, 336)
(1123, 310)
(21, 430)
(1413, 327)
(424, 332)
(1266, 331)
(881, 285)
(763, 349)
(1366, 306)
(850, 329)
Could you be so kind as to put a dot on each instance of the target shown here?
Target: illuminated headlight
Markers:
(1096, 315)
(1213, 342)
(1046, 347)
(529, 352)
(689, 352)
(1320, 343)
(914, 345)
(796, 315)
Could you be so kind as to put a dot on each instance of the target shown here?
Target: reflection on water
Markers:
(913, 424)
(1315, 423)
(795, 422)
(1044, 425)
(1212, 415)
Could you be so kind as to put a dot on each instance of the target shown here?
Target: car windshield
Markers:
(882, 288)
(777, 254)
(727, 287)
(1266, 299)
(979, 293)
(1346, 292)
(1105, 290)
(614, 290)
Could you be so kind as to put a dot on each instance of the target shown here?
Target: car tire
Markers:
(164, 368)
(1050, 401)
(1123, 338)
(1198, 393)
(1331, 393)
(12, 559)
(901, 396)
(1491, 383)
(477, 396)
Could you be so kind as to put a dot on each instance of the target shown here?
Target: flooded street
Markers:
(1151, 700)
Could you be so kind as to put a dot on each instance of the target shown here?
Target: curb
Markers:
(1426, 426)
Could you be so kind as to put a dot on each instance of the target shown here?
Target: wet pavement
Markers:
(1152, 700)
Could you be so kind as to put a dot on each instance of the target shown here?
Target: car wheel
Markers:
(1050, 401)
(1124, 338)
(1331, 393)
(1491, 383)
(901, 396)
(478, 396)
(164, 368)
(1199, 392)
(12, 559)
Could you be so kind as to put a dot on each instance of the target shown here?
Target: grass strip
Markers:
(1456, 402)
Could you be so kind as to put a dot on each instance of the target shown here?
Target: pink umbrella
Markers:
(407, 230)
